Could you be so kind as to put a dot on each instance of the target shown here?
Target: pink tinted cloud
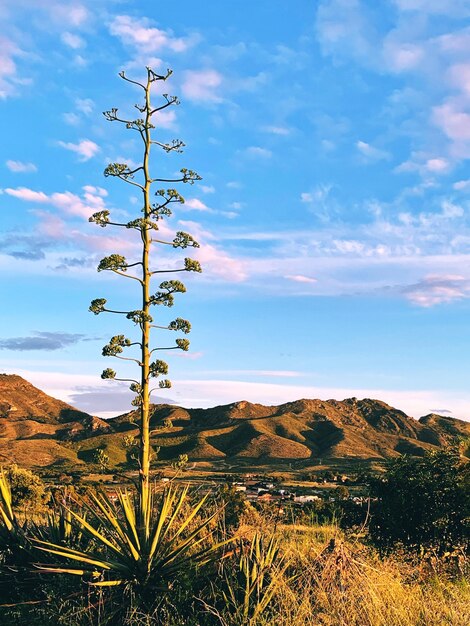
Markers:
(66, 201)
(28, 195)
(85, 148)
(139, 32)
(454, 121)
(300, 278)
(197, 205)
(8, 68)
(437, 289)
(19, 167)
(202, 85)
(218, 264)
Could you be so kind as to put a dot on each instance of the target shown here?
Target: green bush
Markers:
(27, 489)
(422, 502)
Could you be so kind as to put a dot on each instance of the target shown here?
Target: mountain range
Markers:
(37, 430)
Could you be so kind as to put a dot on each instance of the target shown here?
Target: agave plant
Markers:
(15, 547)
(249, 590)
(58, 527)
(141, 560)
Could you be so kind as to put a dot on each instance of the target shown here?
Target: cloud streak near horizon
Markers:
(47, 341)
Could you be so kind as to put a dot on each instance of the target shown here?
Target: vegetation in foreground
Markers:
(218, 560)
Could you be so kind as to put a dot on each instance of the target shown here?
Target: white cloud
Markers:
(84, 105)
(20, 167)
(423, 164)
(402, 56)
(459, 75)
(451, 210)
(300, 278)
(91, 189)
(67, 202)
(71, 118)
(213, 392)
(462, 185)
(80, 61)
(328, 145)
(344, 31)
(73, 14)
(320, 202)
(8, 68)
(85, 148)
(452, 118)
(457, 8)
(165, 119)
(371, 153)
(207, 188)
(197, 205)
(434, 51)
(263, 373)
(220, 265)
(28, 195)
(258, 152)
(139, 33)
(276, 130)
(437, 289)
(72, 40)
(438, 165)
(202, 85)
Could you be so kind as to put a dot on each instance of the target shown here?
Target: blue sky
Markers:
(333, 139)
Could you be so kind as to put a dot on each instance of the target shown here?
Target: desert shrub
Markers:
(27, 489)
(234, 505)
(422, 503)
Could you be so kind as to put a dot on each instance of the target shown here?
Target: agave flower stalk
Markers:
(147, 226)
(139, 543)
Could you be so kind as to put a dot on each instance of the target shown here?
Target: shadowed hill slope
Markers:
(37, 430)
(304, 430)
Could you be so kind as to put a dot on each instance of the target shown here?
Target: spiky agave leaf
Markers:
(6, 509)
(249, 591)
(128, 553)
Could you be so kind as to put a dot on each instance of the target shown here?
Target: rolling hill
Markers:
(39, 431)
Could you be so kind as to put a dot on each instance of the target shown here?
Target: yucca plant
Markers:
(248, 591)
(123, 556)
(58, 527)
(15, 547)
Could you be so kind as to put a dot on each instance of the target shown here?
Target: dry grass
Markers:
(333, 582)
